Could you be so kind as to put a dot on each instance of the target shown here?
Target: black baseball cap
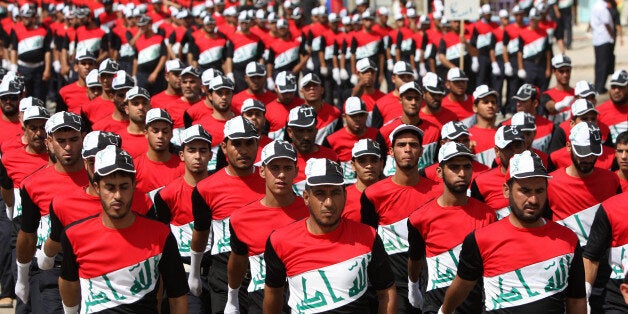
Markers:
(96, 141)
(303, 116)
(322, 171)
(113, 159)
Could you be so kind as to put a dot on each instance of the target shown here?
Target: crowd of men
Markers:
(218, 157)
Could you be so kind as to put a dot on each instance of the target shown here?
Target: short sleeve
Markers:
(470, 266)
(275, 269)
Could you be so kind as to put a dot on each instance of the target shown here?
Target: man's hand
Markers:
(522, 74)
(194, 279)
(46, 75)
(44, 262)
(22, 285)
(233, 303)
(152, 78)
(414, 294)
(508, 71)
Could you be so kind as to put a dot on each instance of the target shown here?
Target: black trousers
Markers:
(603, 65)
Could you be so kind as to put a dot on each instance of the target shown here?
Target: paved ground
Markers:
(583, 60)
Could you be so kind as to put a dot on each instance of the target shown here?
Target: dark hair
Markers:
(98, 177)
(622, 138)
(182, 147)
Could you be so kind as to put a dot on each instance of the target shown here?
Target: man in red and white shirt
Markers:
(30, 51)
(158, 166)
(68, 173)
(74, 95)
(342, 141)
(173, 87)
(365, 88)
(109, 263)
(457, 100)
(336, 257)
(527, 101)
(437, 229)
(433, 94)
(614, 112)
(190, 80)
(482, 133)
(368, 165)
(411, 97)
(255, 79)
(586, 185)
(277, 110)
(151, 57)
(327, 116)
(213, 203)
(117, 120)
(173, 203)
(557, 101)
(101, 106)
(581, 111)
(207, 47)
(301, 130)
(621, 155)
(387, 204)
(252, 224)
(493, 253)
(488, 186)
(387, 108)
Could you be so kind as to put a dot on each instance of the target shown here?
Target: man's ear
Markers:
(506, 191)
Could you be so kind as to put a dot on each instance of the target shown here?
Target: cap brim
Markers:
(434, 90)
(561, 65)
(356, 112)
(159, 119)
(194, 138)
(587, 111)
(35, 118)
(301, 125)
(586, 151)
(508, 143)
(109, 170)
(457, 154)
(522, 98)
(86, 58)
(240, 136)
(107, 71)
(325, 180)
(303, 84)
(255, 74)
(403, 72)
(409, 89)
(61, 126)
(138, 95)
(586, 94)
(458, 79)
(368, 68)
(253, 108)
(457, 135)
(526, 175)
(405, 128)
(364, 153)
(10, 92)
(492, 92)
(269, 159)
(288, 88)
(618, 83)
